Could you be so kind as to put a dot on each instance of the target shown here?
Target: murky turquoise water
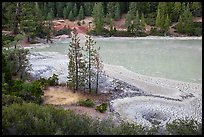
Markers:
(167, 58)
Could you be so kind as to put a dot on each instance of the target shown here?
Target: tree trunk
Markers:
(97, 82)
(76, 87)
(15, 31)
(28, 39)
(89, 71)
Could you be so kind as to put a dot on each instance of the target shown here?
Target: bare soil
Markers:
(60, 96)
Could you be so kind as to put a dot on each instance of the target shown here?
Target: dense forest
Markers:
(23, 111)
(34, 18)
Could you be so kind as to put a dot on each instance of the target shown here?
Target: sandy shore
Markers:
(156, 108)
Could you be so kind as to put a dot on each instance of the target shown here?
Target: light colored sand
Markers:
(135, 109)
(153, 85)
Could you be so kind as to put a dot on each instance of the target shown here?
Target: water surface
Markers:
(166, 58)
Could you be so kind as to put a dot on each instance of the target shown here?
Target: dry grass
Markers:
(60, 96)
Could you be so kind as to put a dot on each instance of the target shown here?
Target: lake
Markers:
(177, 59)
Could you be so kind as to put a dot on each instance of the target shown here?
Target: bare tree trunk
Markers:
(16, 19)
(28, 39)
(97, 82)
(76, 63)
(89, 71)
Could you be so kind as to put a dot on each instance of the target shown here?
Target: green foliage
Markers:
(33, 119)
(53, 81)
(81, 13)
(71, 16)
(98, 16)
(8, 100)
(184, 127)
(117, 11)
(17, 61)
(102, 108)
(65, 31)
(128, 22)
(155, 32)
(87, 103)
(30, 92)
(6, 39)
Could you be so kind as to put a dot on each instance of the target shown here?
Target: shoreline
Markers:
(82, 36)
(163, 99)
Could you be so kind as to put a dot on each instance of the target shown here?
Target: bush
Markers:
(78, 23)
(30, 92)
(150, 21)
(87, 103)
(7, 39)
(154, 32)
(53, 81)
(184, 127)
(102, 108)
(65, 31)
(32, 119)
(8, 100)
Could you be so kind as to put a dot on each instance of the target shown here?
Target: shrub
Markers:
(66, 31)
(154, 32)
(53, 81)
(32, 119)
(78, 23)
(8, 100)
(184, 127)
(102, 108)
(30, 92)
(87, 103)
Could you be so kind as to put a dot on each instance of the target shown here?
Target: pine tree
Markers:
(117, 12)
(87, 8)
(158, 18)
(28, 22)
(71, 16)
(189, 22)
(99, 67)
(111, 9)
(179, 26)
(90, 56)
(81, 13)
(176, 11)
(128, 22)
(65, 13)
(98, 15)
(142, 22)
(166, 24)
(136, 22)
(75, 60)
(132, 9)
(75, 10)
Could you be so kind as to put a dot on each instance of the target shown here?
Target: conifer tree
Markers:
(117, 11)
(71, 16)
(128, 22)
(75, 59)
(98, 15)
(142, 22)
(81, 13)
(90, 56)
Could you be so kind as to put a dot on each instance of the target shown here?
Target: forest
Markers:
(23, 111)
(35, 19)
